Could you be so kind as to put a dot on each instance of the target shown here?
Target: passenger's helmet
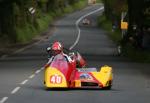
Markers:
(57, 48)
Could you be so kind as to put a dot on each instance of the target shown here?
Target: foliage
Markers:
(136, 54)
(115, 35)
(114, 8)
(129, 51)
(19, 22)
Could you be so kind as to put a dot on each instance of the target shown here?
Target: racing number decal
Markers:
(56, 79)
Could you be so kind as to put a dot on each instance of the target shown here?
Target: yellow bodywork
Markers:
(77, 83)
(54, 78)
(104, 76)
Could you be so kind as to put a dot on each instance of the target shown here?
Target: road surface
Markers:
(21, 74)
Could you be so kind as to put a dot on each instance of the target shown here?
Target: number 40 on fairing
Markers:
(56, 79)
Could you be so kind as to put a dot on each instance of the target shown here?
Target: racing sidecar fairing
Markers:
(62, 74)
(86, 21)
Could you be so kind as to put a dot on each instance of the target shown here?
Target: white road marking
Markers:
(3, 99)
(38, 71)
(42, 68)
(24, 82)
(78, 28)
(15, 90)
(31, 76)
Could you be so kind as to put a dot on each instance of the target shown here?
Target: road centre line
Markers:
(32, 76)
(3, 99)
(42, 68)
(24, 82)
(38, 71)
(78, 28)
(15, 90)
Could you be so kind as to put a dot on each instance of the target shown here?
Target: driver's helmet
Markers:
(57, 48)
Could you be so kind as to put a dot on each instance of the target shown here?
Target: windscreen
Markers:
(59, 62)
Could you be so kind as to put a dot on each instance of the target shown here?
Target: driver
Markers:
(57, 48)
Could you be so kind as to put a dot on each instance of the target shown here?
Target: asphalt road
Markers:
(21, 74)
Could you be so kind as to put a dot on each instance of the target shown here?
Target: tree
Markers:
(114, 8)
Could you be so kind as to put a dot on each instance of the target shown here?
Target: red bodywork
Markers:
(71, 73)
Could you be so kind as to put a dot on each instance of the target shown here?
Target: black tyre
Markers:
(109, 85)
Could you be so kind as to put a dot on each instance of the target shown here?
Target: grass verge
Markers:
(107, 25)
